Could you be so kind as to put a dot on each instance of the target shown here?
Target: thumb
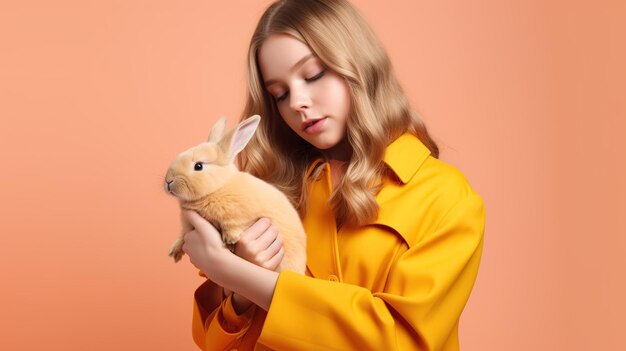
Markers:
(196, 221)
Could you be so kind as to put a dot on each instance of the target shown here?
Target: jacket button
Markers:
(333, 278)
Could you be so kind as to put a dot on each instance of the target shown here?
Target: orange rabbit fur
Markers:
(205, 179)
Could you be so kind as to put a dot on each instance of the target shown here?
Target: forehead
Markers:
(279, 53)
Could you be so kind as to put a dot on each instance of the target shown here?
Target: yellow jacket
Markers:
(399, 283)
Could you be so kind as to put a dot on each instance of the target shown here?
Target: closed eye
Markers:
(311, 79)
(316, 77)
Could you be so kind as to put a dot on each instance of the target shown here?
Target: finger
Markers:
(274, 262)
(255, 230)
(197, 221)
(267, 238)
(274, 247)
(191, 238)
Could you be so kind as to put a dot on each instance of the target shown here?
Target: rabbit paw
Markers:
(230, 237)
(176, 251)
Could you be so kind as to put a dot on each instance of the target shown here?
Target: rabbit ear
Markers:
(217, 132)
(239, 137)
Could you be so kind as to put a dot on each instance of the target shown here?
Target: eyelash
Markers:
(312, 79)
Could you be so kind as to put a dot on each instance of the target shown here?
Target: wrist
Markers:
(240, 304)
(215, 263)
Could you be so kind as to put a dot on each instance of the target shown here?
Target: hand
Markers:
(261, 244)
(203, 244)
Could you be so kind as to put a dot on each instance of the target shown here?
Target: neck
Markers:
(339, 153)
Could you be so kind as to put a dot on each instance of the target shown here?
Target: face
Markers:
(313, 100)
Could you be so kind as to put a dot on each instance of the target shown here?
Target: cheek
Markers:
(336, 93)
(285, 114)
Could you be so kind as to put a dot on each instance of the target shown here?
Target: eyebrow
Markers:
(294, 67)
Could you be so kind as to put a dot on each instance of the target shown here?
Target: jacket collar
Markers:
(405, 156)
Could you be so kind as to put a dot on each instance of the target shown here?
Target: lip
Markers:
(310, 122)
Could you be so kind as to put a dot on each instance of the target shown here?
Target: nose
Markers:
(300, 99)
(167, 185)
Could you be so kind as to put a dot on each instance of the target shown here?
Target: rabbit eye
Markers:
(197, 166)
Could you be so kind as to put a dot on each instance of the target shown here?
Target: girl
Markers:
(394, 235)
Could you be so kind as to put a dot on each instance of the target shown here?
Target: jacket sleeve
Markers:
(215, 324)
(426, 291)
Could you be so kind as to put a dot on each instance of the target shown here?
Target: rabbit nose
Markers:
(168, 184)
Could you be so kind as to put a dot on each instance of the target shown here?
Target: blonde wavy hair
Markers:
(380, 112)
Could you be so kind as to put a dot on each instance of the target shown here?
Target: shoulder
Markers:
(451, 200)
(420, 206)
(444, 180)
(414, 166)
(434, 183)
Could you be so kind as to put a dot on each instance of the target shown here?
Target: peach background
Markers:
(527, 98)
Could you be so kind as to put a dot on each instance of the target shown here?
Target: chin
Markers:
(323, 144)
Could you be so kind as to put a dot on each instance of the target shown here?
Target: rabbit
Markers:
(205, 179)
